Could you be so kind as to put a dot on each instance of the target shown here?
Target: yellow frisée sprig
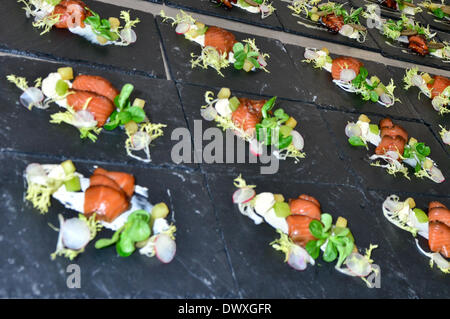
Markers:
(151, 132)
(20, 82)
(432, 262)
(291, 151)
(443, 131)
(210, 57)
(239, 182)
(252, 44)
(367, 256)
(67, 117)
(47, 22)
(392, 168)
(400, 220)
(129, 24)
(321, 60)
(94, 225)
(181, 17)
(148, 248)
(283, 244)
(226, 123)
(270, 7)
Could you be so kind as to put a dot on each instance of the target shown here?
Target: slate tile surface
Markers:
(237, 14)
(376, 177)
(426, 282)
(144, 56)
(30, 131)
(258, 266)
(385, 11)
(433, 21)
(200, 268)
(317, 87)
(293, 24)
(321, 164)
(281, 80)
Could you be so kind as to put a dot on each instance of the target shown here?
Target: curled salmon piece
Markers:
(227, 3)
(72, 13)
(106, 202)
(95, 84)
(342, 63)
(390, 4)
(386, 122)
(298, 227)
(125, 181)
(96, 180)
(393, 131)
(418, 44)
(438, 86)
(310, 198)
(101, 107)
(439, 238)
(435, 204)
(389, 143)
(333, 22)
(220, 39)
(305, 207)
(439, 214)
(248, 114)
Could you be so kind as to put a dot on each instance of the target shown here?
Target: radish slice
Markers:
(262, 61)
(417, 80)
(139, 141)
(358, 264)
(209, 113)
(437, 102)
(347, 75)
(297, 140)
(128, 35)
(346, 30)
(310, 54)
(446, 138)
(83, 119)
(436, 175)
(256, 147)
(243, 195)
(165, 248)
(182, 28)
(386, 99)
(75, 234)
(351, 129)
(32, 97)
(36, 174)
(298, 258)
(392, 154)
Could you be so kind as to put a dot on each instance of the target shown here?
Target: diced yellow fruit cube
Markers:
(315, 17)
(427, 78)
(131, 127)
(139, 103)
(341, 222)
(66, 73)
(114, 23)
(428, 164)
(291, 122)
(102, 40)
(364, 118)
(313, 10)
(248, 66)
(326, 50)
(224, 93)
(411, 203)
(200, 25)
(412, 141)
(278, 197)
(355, 249)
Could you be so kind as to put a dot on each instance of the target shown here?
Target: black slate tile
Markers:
(30, 131)
(433, 21)
(144, 56)
(236, 14)
(253, 258)
(322, 163)
(427, 282)
(317, 87)
(385, 11)
(280, 81)
(292, 24)
(400, 51)
(376, 177)
(199, 270)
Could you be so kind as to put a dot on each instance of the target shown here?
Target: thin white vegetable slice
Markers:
(75, 233)
(346, 30)
(358, 264)
(436, 175)
(417, 80)
(84, 119)
(243, 195)
(262, 61)
(36, 174)
(297, 140)
(182, 28)
(128, 35)
(446, 138)
(165, 248)
(352, 129)
(209, 113)
(298, 258)
(256, 148)
(347, 75)
(32, 97)
(139, 141)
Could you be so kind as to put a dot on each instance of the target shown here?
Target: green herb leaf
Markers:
(137, 114)
(313, 249)
(330, 253)
(356, 141)
(327, 221)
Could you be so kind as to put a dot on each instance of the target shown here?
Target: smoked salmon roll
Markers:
(389, 143)
(439, 238)
(342, 63)
(124, 180)
(305, 207)
(298, 227)
(72, 13)
(101, 107)
(220, 39)
(248, 114)
(333, 22)
(106, 202)
(438, 86)
(418, 44)
(95, 84)
(96, 180)
(394, 131)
